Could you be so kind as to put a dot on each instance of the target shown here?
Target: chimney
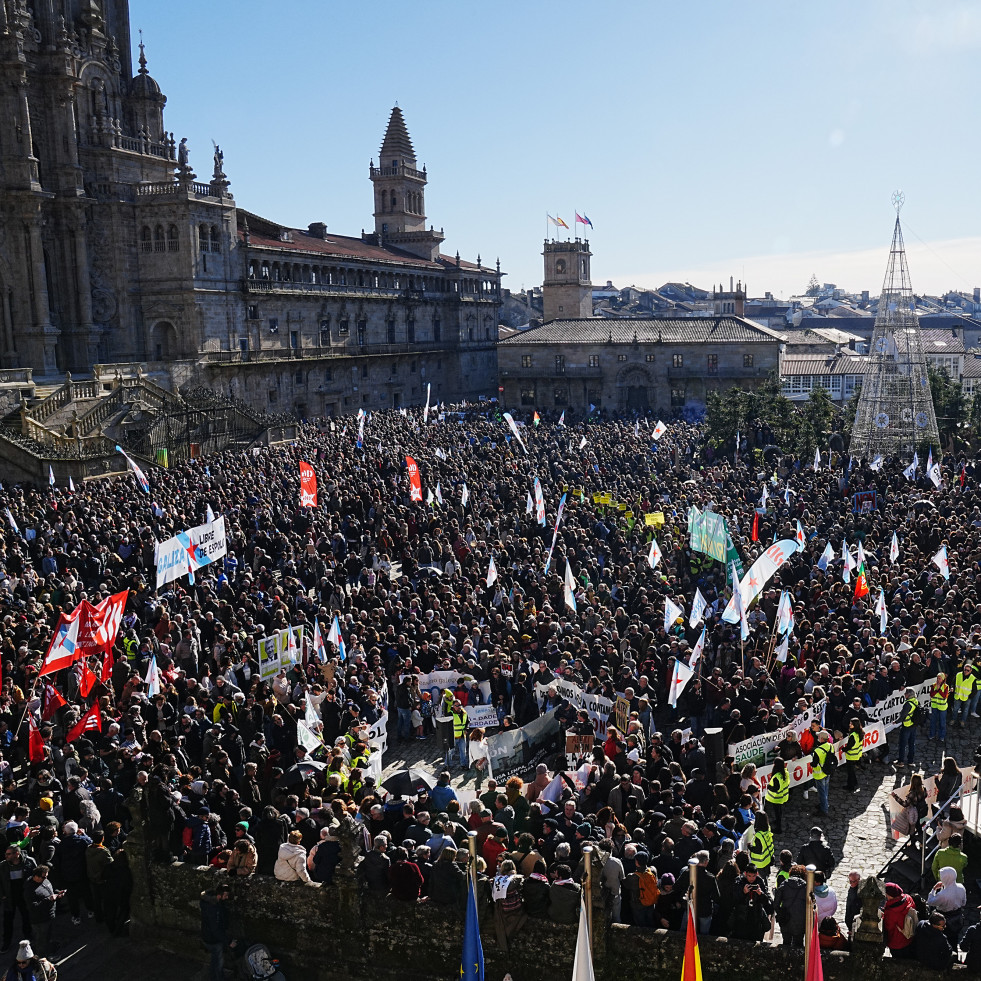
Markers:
(865, 296)
(977, 294)
(317, 229)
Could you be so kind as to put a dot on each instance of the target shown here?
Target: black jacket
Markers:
(214, 919)
(932, 947)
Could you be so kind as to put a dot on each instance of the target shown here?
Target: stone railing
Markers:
(16, 376)
(101, 411)
(48, 406)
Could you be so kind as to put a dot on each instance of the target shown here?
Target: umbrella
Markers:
(408, 783)
(296, 774)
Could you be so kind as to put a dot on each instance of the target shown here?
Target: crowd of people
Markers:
(214, 766)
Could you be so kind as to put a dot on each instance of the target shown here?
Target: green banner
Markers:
(708, 533)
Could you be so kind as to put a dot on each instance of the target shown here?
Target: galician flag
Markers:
(846, 557)
(672, 612)
(894, 549)
(785, 613)
(737, 595)
(491, 573)
(698, 605)
(292, 651)
(570, 588)
(336, 639)
(799, 536)
(680, 677)
(562, 418)
(582, 965)
(464, 495)
(699, 650)
(783, 649)
(152, 679)
(539, 503)
(826, 556)
(319, 651)
(940, 561)
(817, 459)
(51, 475)
(659, 430)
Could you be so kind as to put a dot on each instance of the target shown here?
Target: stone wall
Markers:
(336, 933)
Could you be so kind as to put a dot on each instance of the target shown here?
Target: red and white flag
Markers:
(90, 722)
(415, 481)
(308, 485)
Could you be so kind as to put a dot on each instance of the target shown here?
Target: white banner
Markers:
(597, 707)
(436, 681)
(762, 748)
(190, 550)
(482, 717)
(759, 575)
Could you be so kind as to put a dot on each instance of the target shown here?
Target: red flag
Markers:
(861, 585)
(106, 671)
(415, 482)
(691, 965)
(52, 702)
(35, 744)
(814, 970)
(87, 682)
(308, 486)
(755, 533)
(98, 632)
(962, 476)
(91, 721)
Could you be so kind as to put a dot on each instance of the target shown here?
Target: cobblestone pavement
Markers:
(857, 828)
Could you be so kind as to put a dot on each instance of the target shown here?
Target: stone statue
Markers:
(349, 835)
(182, 154)
(219, 164)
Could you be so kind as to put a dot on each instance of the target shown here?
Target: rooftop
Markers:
(667, 330)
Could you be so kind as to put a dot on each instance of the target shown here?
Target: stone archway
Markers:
(634, 389)
(163, 341)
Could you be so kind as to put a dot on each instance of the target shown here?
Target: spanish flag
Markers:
(691, 966)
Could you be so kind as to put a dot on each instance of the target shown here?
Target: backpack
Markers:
(919, 715)
(649, 893)
(830, 763)
(909, 923)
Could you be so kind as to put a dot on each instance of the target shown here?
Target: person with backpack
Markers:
(899, 919)
(790, 906)
(641, 885)
(909, 720)
(824, 761)
(777, 793)
(761, 848)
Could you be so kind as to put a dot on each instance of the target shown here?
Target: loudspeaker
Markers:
(715, 752)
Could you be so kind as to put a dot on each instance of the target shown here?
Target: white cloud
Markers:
(927, 29)
(935, 267)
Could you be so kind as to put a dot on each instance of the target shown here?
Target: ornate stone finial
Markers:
(872, 897)
(498, 263)
(478, 260)
(143, 70)
(458, 257)
(219, 172)
(245, 229)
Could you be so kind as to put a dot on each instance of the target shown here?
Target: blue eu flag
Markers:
(472, 963)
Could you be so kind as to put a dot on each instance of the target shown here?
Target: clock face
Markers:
(560, 266)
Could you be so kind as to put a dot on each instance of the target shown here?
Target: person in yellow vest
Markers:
(459, 716)
(821, 771)
(854, 742)
(907, 730)
(761, 850)
(939, 700)
(964, 685)
(778, 792)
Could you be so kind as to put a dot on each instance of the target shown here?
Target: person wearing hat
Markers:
(29, 967)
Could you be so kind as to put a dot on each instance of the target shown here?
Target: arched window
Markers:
(215, 239)
(146, 239)
(173, 239)
(158, 239)
(394, 204)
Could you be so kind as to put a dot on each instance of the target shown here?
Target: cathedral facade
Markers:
(112, 250)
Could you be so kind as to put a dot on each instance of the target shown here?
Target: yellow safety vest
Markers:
(761, 851)
(853, 749)
(778, 789)
(459, 725)
(818, 761)
(908, 722)
(938, 698)
(963, 687)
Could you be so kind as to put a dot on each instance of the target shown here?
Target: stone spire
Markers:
(396, 144)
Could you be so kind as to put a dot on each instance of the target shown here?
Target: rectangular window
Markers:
(273, 396)
(252, 312)
(391, 331)
(362, 328)
(344, 327)
(410, 331)
(560, 364)
(299, 378)
(325, 333)
(525, 360)
(364, 371)
(594, 361)
(621, 357)
(527, 396)
(561, 395)
(747, 360)
(678, 395)
(677, 361)
(328, 375)
(274, 325)
(437, 329)
(650, 359)
(712, 364)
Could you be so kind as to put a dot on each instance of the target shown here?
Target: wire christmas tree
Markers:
(895, 413)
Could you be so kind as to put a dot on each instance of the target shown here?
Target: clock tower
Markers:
(567, 293)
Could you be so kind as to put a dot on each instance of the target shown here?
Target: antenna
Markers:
(898, 200)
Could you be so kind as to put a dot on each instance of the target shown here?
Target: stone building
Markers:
(113, 251)
(660, 364)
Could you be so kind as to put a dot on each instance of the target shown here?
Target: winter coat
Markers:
(69, 860)
(893, 917)
(790, 906)
(291, 863)
(243, 863)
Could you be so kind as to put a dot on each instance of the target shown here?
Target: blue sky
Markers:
(704, 139)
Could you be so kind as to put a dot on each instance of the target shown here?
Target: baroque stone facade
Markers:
(112, 250)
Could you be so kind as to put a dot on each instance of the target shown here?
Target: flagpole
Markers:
(808, 915)
(587, 854)
(693, 892)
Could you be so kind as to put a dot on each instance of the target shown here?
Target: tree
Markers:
(814, 421)
(949, 404)
(813, 287)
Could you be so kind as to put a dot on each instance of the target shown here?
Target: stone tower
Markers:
(567, 293)
(400, 194)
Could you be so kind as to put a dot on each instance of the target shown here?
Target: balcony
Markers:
(267, 286)
(400, 171)
(552, 371)
(316, 352)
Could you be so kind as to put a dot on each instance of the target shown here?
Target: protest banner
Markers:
(621, 713)
(761, 749)
(577, 745)
(597, 707)
(273, 651)
(515, 751)
(190, 550)
(482, 717)
(900, 826)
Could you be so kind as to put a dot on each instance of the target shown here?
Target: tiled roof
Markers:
(823, 364)
(942, 342)
(396, 142)
(819, 335)
(668, 330)
(347, 247)
(972, 367)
